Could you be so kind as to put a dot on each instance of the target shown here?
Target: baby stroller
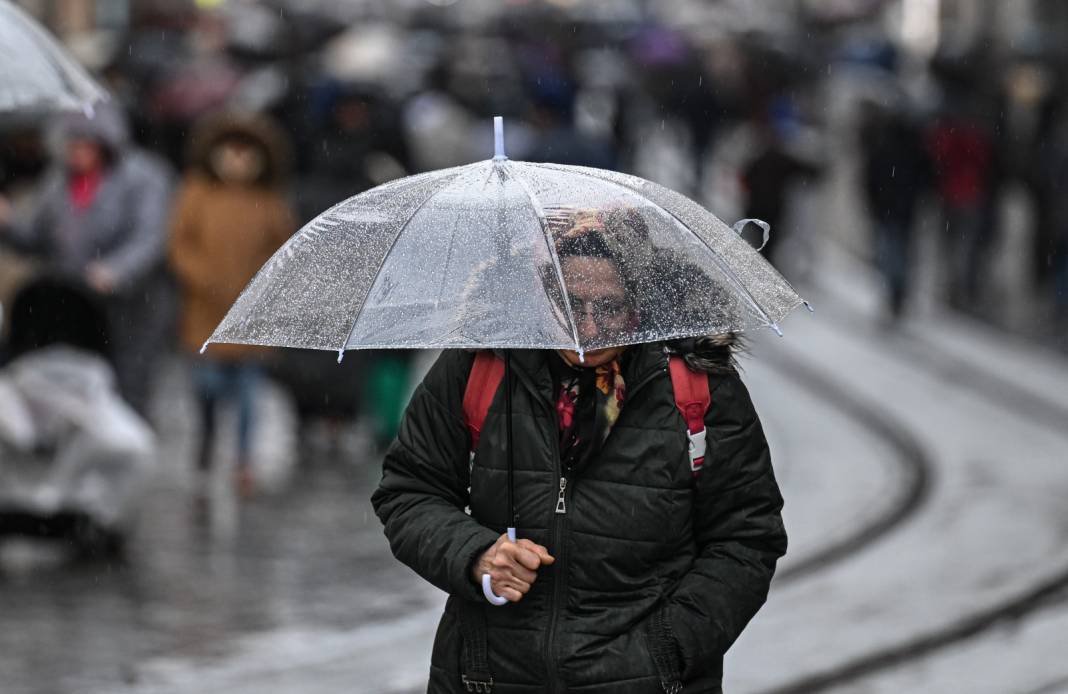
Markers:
(73, 454)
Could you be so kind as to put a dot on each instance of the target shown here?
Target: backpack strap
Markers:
(486, 375)
(693, 399)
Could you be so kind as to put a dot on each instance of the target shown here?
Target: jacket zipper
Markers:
(560, 566)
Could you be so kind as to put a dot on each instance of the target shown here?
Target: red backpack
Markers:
(692, 397)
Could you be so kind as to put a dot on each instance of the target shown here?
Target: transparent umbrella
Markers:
(480, 256)
(35, 72)
(509, 255)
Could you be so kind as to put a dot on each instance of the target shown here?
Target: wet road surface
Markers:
(202, 575)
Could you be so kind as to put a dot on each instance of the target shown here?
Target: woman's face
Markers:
(598, 305)
(84, 156)
(236, 162)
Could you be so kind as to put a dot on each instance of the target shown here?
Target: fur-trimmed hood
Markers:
(256, 128)
(710, 353)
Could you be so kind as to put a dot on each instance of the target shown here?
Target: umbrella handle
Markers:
(486, 589)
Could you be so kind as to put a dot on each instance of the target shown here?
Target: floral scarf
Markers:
(587, 405)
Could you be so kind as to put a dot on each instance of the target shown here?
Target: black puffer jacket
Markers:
(655, 574)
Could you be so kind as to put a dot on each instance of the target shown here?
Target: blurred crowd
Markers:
(235, 123)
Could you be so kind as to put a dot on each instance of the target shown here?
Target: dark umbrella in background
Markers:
(36, 74)
(466, 258)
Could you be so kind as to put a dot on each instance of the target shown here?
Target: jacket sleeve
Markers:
(184, 248)
(738, 530)
(425, 481)
(146, 244)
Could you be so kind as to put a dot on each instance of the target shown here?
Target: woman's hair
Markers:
(659, 283)
(616, 234)
(591, 244)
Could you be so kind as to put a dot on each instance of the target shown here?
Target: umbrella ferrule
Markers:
(498, 139)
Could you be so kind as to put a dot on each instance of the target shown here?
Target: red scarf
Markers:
(82, 189)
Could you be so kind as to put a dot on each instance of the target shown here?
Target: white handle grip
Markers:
(487, 590)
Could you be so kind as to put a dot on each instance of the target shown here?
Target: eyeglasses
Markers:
(601, 311)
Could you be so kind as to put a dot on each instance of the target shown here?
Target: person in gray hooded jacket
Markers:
(101, 217)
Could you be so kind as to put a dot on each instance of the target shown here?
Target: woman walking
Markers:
(230, 217)
(640, 562)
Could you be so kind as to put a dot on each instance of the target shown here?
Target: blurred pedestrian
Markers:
(436, 126)
(556, 138)
(229, 218)
(1054, 173)
(1025, 122)
(359, 144)
(636, 575)
(100, 216)
(896, 175)
(962, 155)
(74, 456)
(768, 179)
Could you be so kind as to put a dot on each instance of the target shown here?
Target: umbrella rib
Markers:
(385, 257)
(540, 214)
(726, 269)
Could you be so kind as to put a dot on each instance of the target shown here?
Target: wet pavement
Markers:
(202, 575)
(979, 555)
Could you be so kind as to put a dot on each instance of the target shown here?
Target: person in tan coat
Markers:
(230, 216)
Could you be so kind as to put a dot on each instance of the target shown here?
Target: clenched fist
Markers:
(512, 566)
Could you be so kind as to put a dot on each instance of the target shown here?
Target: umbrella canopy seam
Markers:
(385, 257)
(540, 213)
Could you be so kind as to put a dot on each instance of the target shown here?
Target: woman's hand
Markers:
(512, 566)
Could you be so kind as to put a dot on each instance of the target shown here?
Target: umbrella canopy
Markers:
(496, 254)
(35, 73)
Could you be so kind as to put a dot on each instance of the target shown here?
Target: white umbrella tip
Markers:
(776, 328)
(498, 138)
(340, 355)
(204, 347)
